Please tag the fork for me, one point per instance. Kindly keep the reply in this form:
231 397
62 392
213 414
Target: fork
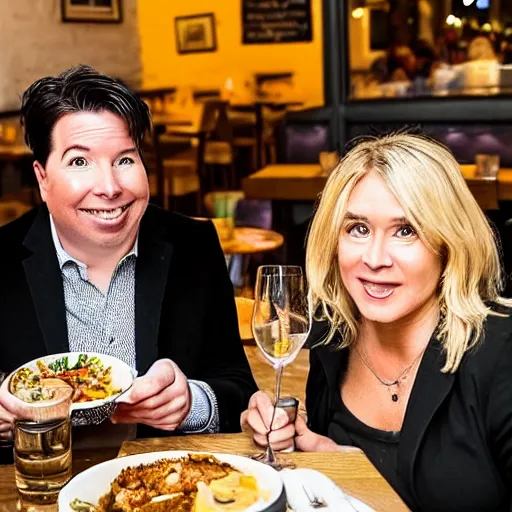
314 501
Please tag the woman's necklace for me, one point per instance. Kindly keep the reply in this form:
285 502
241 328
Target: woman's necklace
389 384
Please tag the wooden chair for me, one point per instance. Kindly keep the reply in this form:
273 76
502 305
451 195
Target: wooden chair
178 163
204 95
245 136
244 308
271 118
157 98
219 151
259 122
180 176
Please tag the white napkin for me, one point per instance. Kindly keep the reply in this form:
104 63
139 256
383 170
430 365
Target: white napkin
321 486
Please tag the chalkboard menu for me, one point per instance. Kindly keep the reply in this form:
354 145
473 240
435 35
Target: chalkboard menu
276 21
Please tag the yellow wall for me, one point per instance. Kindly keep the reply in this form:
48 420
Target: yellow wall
163 66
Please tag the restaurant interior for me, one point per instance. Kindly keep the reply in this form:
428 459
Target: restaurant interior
253 103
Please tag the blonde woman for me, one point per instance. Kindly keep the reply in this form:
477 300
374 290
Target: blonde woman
412 358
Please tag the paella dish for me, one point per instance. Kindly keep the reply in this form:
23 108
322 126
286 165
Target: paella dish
194 483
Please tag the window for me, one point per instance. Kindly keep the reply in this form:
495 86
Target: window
412 48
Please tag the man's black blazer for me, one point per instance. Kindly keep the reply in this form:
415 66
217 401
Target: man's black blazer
184 305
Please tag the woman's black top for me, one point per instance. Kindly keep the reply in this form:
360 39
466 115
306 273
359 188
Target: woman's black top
454 451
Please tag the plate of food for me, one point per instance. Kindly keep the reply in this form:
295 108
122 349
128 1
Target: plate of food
175 480
97 380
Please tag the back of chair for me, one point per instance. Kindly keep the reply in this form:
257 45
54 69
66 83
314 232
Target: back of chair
157 148
203 96
210 115
253 213
215 121
155 151
156 98
224 128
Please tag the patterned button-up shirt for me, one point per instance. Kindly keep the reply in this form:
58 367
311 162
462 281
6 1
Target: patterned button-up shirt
104 322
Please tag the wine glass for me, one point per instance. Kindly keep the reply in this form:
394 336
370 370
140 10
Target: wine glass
281 322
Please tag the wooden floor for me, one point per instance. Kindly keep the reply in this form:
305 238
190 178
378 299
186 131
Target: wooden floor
294 377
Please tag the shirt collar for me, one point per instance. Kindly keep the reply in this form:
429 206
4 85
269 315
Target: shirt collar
64 257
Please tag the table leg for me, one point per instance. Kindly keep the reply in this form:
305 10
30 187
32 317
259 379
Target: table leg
260 146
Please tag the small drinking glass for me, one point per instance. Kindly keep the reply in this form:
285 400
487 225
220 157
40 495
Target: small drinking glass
281 323
487 166
42 448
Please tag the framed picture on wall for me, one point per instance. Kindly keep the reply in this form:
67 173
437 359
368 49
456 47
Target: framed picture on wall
195 33
92 11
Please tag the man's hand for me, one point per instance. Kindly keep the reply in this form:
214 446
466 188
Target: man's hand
160 399
6 424
10 409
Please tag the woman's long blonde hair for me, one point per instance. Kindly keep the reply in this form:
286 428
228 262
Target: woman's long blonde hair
428 183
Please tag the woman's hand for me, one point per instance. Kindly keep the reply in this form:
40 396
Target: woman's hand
307 441
257 419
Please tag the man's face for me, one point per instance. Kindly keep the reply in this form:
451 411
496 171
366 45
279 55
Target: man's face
94 182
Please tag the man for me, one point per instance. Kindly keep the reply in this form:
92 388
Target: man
97 269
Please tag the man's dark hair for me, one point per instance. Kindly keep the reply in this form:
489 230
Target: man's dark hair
79 89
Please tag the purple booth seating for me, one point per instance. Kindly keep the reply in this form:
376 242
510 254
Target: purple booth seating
253 213
464 140
302 143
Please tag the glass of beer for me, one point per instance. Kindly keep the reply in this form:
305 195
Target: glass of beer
42 447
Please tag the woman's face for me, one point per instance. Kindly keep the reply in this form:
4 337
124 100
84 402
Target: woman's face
388 271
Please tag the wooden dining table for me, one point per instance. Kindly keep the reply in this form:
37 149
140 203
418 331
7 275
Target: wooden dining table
304 182
249 240
349 468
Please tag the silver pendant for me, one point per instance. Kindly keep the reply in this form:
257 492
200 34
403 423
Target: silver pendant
394 397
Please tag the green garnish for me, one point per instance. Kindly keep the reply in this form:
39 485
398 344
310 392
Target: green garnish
81 362
62 364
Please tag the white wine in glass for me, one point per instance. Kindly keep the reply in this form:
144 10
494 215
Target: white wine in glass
281 323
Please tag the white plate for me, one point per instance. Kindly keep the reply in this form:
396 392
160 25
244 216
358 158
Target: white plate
122 375
299 481
95 482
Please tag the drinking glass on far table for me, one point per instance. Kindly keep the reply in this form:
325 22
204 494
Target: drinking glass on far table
42 448
281 323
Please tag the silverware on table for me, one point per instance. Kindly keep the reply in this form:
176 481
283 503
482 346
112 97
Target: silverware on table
314 501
